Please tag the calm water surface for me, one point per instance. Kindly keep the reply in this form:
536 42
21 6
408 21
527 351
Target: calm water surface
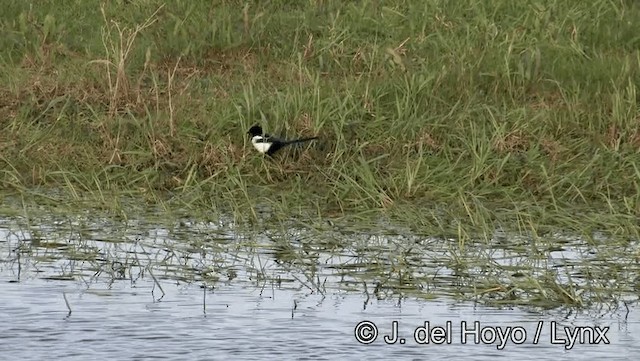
136 292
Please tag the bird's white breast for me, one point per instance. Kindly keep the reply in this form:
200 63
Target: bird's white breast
262 147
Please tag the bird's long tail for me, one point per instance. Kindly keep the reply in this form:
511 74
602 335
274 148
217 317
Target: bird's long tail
301 140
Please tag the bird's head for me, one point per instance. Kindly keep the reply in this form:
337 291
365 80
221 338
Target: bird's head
255 130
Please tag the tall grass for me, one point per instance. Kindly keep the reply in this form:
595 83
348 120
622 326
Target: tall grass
485 111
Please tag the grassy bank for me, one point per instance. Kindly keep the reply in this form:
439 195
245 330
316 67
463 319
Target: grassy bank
475 112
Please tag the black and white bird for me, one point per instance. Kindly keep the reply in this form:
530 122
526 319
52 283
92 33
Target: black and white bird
267 144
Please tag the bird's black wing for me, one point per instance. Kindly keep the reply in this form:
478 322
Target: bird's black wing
268 138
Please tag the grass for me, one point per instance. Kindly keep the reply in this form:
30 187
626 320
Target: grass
310 256
453 118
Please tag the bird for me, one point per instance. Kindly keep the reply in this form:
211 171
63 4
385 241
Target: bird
268 144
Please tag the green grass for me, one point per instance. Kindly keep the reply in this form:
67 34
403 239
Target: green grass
457 116
309 255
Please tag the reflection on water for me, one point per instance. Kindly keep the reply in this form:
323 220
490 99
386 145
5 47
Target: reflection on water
139 290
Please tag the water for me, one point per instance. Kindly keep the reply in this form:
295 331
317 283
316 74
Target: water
139 290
